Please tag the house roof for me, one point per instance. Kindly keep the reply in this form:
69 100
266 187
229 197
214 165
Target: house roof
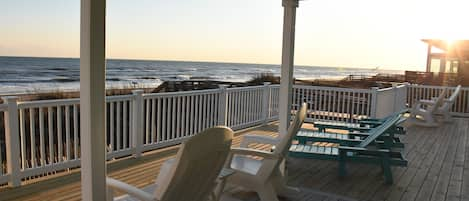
449 46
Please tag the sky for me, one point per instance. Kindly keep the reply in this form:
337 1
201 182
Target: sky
342 33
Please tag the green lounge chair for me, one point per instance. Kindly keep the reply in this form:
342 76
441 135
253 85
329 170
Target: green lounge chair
350 150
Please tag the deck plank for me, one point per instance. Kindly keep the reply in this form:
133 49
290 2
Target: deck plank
438 170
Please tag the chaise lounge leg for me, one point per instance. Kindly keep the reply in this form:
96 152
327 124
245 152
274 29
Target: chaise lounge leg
386 166
342 166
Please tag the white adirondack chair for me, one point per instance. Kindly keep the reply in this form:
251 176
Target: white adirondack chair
266 176
422 113
192 175
445 107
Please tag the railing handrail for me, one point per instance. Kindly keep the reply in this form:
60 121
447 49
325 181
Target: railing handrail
435 87
180 93
339 89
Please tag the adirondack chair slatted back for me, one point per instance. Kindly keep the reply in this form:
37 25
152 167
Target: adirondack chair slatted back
439 101
284 145
379 130
455 94
198 163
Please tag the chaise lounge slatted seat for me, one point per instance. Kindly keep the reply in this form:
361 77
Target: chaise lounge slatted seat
363 125
351 150
346 139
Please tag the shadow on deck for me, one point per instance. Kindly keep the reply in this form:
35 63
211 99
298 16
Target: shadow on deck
438 170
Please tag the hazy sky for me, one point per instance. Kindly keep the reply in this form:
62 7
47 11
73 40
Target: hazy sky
358 33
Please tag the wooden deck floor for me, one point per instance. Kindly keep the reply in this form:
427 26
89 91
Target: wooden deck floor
438 170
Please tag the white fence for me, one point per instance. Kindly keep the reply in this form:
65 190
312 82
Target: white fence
47 133
350 105
460 107
389 100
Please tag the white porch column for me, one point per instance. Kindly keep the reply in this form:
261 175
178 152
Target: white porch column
92 99
288 49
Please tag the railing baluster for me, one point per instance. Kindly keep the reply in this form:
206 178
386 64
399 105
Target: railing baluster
41 136
191 126
124 125
59 134
178 116
23 140
164 132
153 120
50 123
111 127
157 122
67 131
75 131
32 132
173 118
119 128
183 115
147 121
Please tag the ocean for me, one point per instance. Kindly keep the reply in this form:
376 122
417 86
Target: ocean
33 74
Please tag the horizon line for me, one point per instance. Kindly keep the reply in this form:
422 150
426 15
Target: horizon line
225 62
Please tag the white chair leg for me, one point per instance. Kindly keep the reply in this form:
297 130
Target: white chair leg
267 193
447 117
110 194
279 183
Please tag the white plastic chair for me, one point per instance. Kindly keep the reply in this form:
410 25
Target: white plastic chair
422 113
192 175
266 176
447 104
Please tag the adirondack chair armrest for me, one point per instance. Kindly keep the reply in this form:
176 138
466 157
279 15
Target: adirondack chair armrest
448 101
253 152
261 139
427 102
129 189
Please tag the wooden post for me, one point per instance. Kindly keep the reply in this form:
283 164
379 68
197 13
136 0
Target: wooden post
92 99
137 122
374 102
286 79
12 140
222 105
429 57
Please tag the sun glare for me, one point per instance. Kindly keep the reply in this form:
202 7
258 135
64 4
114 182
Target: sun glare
447 21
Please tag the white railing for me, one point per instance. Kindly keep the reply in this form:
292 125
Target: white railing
245 106
48 132
334 104
273 100
389 100
171 117
460 107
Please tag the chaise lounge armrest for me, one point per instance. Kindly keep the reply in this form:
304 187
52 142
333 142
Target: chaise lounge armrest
253 152
364 150
129 189
261 139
